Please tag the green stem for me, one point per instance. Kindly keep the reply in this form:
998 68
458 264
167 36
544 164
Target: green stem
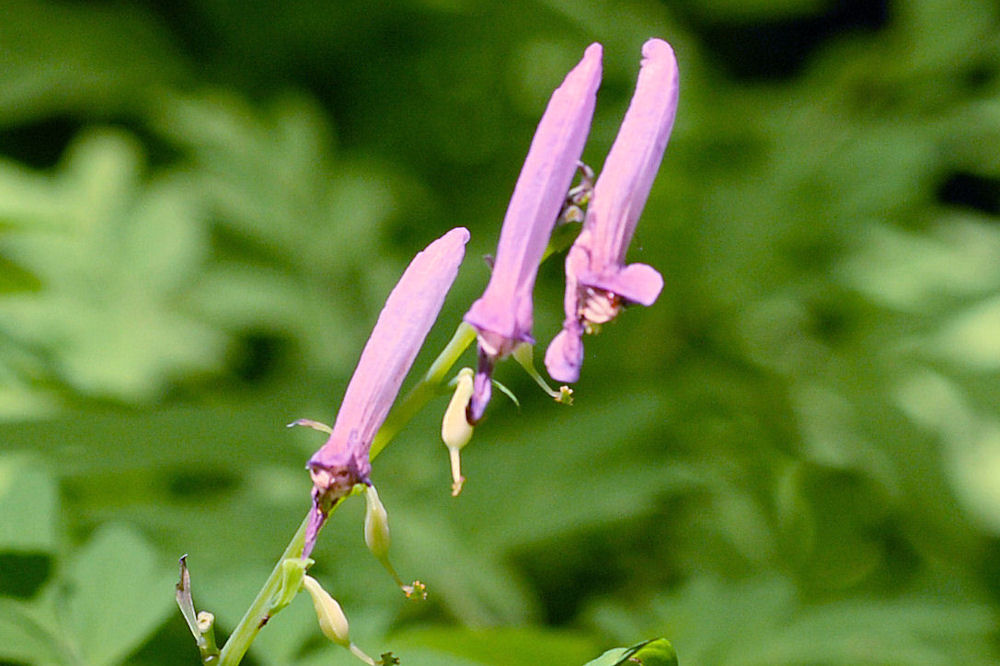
255 617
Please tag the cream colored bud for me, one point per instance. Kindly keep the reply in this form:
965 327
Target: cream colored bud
455 429
376 524
332 621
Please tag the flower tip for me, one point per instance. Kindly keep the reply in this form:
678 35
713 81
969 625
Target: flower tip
593 52
656 48
458 235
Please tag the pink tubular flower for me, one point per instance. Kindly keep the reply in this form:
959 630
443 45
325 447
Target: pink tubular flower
597 280
503 315
404 322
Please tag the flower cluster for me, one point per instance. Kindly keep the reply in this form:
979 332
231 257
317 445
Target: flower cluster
598 284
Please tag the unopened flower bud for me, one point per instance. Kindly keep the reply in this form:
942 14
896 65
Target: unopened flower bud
377 540
332 621
376 524
455 428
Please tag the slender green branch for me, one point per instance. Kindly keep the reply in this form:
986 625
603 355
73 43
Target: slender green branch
258 613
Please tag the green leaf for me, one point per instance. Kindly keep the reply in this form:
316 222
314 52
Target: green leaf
28 504
113 256
118 595
658 652
610 658
23 638
507 646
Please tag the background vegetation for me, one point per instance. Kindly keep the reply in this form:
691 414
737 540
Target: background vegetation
792 458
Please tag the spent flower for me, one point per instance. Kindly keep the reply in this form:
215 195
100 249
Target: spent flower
598 282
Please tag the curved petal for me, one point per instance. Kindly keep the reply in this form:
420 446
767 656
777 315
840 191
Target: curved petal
635 283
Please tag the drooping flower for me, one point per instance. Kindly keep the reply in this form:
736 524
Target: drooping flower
404 322
598 282
502 317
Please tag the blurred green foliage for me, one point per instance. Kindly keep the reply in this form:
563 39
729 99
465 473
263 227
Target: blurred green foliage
792 458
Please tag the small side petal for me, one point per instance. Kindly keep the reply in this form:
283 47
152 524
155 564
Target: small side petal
635 283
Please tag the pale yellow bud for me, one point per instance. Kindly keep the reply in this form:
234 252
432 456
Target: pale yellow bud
455 429
332 621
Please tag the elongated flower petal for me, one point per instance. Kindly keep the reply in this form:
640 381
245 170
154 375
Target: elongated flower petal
597 281
503 315
404 322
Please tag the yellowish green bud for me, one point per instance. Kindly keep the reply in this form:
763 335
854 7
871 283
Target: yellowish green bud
332 621
376 524
377 540
455 429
